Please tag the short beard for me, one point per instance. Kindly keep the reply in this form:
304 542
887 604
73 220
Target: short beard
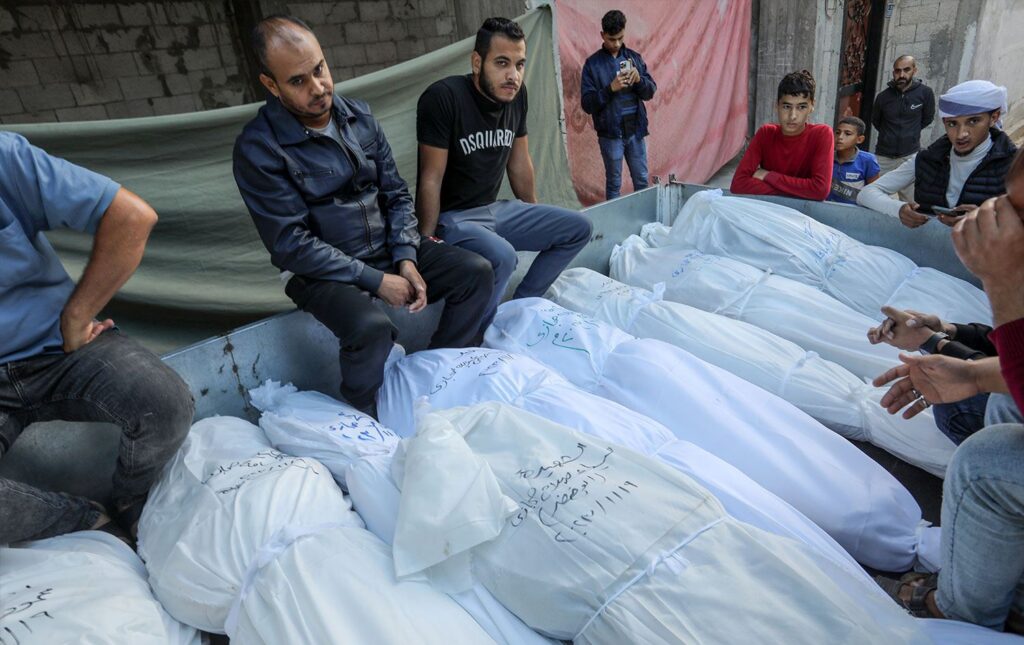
488 88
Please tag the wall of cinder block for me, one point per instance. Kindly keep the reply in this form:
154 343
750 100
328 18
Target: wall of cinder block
80 61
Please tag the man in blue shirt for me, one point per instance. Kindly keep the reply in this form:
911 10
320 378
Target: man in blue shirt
614 86
56 360
318 177
852 168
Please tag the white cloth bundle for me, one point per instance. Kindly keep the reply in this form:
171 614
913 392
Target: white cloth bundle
311 424
788 243
789 309
818 472
604 545
85 587
242 539
358 451
820 388
451 377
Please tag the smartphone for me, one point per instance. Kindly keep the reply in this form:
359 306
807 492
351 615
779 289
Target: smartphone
625 65
940 210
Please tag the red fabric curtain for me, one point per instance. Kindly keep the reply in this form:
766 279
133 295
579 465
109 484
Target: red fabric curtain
698 52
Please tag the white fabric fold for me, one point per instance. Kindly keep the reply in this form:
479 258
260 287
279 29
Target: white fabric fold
820 388
792 245
641 553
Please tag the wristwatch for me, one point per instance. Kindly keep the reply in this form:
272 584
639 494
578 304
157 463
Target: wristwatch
929 346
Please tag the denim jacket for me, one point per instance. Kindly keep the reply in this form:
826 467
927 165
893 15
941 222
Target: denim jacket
323 210
596 95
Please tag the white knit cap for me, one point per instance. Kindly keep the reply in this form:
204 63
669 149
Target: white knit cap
973 97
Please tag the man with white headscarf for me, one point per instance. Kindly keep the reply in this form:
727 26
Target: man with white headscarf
957 172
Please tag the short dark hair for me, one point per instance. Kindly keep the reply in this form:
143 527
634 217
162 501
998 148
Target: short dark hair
797 84
268 28
613 22
855 122
508 28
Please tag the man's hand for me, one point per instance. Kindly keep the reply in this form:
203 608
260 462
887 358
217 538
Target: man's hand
395 290
990 241
407 269
924 380
78 332
760 173
905 329
961 210
632 76
619 82
910 217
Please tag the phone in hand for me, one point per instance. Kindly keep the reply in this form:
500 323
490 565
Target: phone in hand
951 212
625 66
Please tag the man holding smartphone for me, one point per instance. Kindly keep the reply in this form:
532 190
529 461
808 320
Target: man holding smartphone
615 84
957 172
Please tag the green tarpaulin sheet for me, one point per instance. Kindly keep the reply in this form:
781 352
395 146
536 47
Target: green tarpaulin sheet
205 270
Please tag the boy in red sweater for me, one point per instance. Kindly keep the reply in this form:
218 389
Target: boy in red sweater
792 158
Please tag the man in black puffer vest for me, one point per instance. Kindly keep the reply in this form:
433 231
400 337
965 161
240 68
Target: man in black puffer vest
957 172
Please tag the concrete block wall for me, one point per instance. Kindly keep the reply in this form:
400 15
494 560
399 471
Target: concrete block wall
84 61
108 59
937 33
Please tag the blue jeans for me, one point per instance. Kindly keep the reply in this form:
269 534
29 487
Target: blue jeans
113 379
983 528
961 419
496 231
634 149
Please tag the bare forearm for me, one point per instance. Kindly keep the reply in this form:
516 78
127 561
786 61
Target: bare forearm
117 250
988 376
523 182
1007 300
428 206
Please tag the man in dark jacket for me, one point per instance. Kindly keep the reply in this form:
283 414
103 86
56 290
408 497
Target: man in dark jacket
318 177
900 112
957 172
615 84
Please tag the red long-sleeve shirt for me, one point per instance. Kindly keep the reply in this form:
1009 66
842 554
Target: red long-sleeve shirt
799 166
1009 340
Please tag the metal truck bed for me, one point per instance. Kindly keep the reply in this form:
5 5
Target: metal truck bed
294 347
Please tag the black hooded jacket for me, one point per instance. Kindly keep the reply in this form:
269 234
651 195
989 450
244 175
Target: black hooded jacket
899 118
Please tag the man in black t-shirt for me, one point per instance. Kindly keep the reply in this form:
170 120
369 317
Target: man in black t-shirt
472 130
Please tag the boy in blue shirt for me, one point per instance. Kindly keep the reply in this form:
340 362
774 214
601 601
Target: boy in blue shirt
852 168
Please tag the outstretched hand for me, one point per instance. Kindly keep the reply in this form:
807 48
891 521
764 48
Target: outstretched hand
924 380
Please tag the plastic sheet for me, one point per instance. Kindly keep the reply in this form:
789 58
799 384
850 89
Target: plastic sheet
84 587
450 378
818 472
789 309
233 524
820 388
359 450
776 238
640 552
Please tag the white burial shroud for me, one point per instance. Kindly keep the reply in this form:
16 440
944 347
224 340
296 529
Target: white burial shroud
242 539
818 472
789 309
788 243
452 377
84 587
820 388
599 544
358 451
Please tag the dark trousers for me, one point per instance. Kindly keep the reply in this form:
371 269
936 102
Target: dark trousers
365 333
113 379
